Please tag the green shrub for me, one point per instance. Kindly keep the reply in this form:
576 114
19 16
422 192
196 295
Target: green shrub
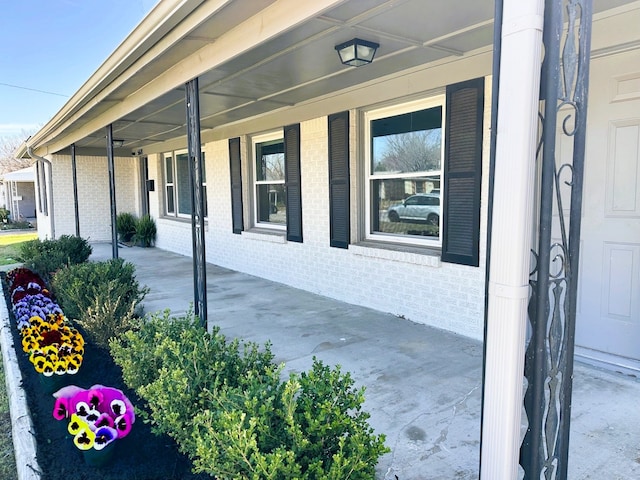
110 315
126 226
4 215
47 256
145 231
228 409
102 296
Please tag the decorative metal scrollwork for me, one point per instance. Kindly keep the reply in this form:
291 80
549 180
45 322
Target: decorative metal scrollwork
197 201
553 280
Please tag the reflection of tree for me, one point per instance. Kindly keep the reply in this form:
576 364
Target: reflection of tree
273 166
411 152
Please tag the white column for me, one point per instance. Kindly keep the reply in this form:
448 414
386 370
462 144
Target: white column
513 201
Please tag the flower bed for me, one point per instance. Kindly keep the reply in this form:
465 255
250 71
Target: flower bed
139 454
53 344
225 402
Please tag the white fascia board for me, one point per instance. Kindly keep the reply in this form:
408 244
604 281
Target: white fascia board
277 18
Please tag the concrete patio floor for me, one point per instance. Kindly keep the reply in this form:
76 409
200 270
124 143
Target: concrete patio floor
423 385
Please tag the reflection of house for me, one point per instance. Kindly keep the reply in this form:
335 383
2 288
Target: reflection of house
19 195
401 189
268 71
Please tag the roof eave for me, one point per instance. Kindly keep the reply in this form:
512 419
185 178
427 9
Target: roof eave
161 19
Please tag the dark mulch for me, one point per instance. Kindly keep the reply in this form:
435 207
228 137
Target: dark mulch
139 456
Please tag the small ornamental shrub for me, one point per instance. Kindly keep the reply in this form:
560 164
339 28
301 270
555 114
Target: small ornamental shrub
228 409
110 315
145 235
102 296
126 226
45 257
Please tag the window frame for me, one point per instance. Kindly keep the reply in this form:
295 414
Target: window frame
433 101
175 185
255 140
169 184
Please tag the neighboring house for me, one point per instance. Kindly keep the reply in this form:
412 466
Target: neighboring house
19 195
297 151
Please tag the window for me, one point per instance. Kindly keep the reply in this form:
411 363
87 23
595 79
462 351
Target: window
276 182
405 151
177 184
42 188
270 200
169 186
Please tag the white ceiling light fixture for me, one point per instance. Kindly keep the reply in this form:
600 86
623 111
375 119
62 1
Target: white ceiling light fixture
357 52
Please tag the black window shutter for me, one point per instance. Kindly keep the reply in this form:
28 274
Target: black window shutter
292 181
339 230
462 172
236 184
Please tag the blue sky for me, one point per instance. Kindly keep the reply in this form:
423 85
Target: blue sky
54 46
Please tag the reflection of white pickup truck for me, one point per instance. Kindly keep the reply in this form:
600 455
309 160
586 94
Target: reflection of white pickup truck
422 207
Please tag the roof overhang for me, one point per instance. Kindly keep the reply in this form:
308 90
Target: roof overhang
23 175
252 59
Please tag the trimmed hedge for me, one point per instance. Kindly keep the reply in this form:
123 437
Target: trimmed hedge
103 297
225 404
45 257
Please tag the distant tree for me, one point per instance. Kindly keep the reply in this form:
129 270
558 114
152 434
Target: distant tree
411 152
8 145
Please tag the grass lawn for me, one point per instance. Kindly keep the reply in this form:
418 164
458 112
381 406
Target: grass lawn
7 461
10 246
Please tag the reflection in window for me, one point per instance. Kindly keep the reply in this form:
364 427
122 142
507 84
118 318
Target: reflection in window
405 171
270 197
184 192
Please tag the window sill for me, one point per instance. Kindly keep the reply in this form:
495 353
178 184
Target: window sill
429 257
264 235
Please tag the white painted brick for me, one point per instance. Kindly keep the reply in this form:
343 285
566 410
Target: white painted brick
94 209
419 287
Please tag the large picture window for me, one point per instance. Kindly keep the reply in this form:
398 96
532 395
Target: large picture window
405 151
177 188
270 200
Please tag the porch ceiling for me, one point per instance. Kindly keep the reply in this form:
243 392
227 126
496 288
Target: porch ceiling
294 65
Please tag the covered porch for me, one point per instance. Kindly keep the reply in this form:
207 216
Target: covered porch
423 385
201 86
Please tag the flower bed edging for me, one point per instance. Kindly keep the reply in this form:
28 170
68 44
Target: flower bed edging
24 444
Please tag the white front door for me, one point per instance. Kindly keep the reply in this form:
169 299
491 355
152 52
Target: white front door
608 317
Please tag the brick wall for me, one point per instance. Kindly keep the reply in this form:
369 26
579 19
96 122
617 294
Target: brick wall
413 285
94 208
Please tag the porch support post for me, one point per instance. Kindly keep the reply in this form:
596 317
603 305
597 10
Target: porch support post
554 280
112 192
74 177
511 237
197 201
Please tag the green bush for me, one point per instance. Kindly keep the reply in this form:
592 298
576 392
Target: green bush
102 296
4 215
47 256
145 231
126 226
109 315
227 408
